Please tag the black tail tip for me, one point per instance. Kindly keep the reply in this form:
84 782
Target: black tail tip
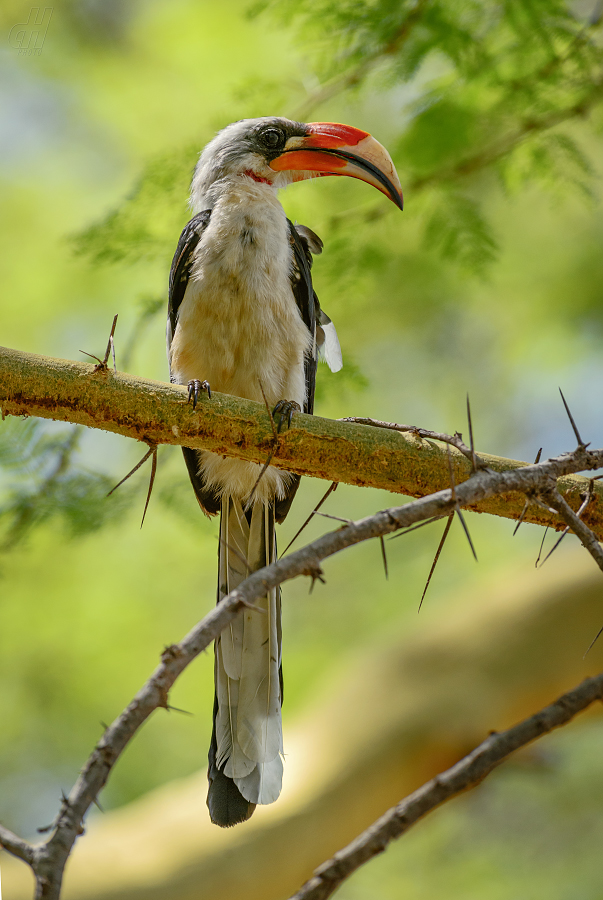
226 804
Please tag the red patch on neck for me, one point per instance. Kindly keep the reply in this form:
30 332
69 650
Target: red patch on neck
256 177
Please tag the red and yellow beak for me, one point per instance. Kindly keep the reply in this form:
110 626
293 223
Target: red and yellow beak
332 149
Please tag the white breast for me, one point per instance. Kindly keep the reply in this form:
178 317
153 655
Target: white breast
238 325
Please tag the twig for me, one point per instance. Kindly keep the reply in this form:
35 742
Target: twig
101 365
16 845
587 537
455 440
566 531
467 773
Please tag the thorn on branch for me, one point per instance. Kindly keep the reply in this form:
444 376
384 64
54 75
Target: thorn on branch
457 506
151 452
151 482
522 516
466 530
132 471
384 556
416 527
269 411
335 518
593 642
436 558
274 445
329 491
581 444
316 574
541 546
185 712
471 444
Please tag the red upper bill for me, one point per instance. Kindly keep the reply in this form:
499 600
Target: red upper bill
333 149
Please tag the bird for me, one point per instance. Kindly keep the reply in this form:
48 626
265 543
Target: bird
244 319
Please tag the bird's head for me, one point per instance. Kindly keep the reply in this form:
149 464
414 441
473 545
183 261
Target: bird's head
277 152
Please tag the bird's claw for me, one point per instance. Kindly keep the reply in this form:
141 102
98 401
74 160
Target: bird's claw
284 410
195 387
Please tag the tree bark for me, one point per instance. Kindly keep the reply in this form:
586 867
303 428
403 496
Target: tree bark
158 413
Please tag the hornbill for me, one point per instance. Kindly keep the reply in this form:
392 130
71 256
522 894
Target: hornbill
243 318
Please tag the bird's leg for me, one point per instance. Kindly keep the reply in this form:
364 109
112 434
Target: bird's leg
284 410
194 389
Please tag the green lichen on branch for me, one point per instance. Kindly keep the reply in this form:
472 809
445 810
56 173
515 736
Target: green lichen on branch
158 413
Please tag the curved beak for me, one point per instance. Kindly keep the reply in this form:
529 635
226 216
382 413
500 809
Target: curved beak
332 149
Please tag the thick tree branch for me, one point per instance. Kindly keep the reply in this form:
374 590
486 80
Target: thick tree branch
157 413
466 774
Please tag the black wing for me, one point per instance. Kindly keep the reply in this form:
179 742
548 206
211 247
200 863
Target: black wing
304 243
179 277
181 267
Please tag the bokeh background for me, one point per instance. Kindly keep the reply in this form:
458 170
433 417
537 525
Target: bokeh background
490 283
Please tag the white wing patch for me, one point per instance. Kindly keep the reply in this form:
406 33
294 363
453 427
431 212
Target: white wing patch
328 348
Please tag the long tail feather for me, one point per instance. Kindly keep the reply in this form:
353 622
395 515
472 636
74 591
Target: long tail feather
245 757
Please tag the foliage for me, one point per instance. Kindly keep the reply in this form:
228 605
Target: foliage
43 483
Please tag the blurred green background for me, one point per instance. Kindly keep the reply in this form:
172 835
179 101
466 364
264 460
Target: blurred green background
490 283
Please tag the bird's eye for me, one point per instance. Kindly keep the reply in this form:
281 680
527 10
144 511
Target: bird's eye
272 138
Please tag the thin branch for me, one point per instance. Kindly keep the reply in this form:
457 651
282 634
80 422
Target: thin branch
50 857
16 845
454 440
466 774
587 537
567 529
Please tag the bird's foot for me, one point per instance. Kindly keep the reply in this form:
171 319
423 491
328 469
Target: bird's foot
283 411
194 390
